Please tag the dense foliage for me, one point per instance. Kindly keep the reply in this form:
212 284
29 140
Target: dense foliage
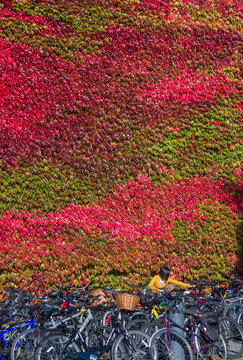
120 139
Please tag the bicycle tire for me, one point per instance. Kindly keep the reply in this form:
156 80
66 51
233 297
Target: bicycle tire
50 347
24 345
210 350
235 311
140 315
153 327
164 345
93 326
133 345
99 337
9 338
233 335
136 324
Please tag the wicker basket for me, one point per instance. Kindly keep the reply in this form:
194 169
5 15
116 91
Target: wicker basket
126 301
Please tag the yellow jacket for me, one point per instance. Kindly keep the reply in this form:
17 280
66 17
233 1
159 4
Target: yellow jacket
155 286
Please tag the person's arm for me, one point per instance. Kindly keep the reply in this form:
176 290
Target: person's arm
153 285
179 283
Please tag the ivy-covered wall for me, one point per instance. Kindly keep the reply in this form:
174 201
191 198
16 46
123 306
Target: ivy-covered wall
120 140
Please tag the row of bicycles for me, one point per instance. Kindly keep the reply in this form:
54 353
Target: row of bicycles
88 324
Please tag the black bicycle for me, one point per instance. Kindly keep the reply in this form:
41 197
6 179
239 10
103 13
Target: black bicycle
116 340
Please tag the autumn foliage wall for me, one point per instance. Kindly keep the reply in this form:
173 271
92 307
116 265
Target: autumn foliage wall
120 140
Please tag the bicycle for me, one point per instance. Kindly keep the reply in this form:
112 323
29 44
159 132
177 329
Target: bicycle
120 342
178 341
25 343
167 343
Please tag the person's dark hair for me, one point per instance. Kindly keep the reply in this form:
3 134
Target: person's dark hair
164 272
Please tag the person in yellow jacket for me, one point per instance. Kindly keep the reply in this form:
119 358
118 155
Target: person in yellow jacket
162 279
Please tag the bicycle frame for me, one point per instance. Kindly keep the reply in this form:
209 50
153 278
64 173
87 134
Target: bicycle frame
169 322
28 323
92 352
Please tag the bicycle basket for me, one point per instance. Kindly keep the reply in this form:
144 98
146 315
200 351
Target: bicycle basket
126 301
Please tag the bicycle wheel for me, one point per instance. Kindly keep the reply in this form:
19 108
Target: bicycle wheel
8 337
152 327
164 345
138 314
136 324
210 350
24 345
99 337
235 311
133 345
51 347
233 335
